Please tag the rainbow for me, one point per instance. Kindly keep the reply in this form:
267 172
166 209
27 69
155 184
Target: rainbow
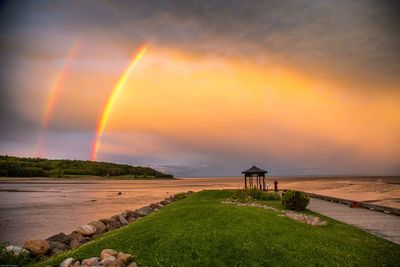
54 94
103 118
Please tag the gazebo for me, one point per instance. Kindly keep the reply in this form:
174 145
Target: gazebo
254 172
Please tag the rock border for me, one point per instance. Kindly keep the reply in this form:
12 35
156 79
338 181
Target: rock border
294 215
39 249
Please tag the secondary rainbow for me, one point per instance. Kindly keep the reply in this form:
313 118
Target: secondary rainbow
104 115
54 94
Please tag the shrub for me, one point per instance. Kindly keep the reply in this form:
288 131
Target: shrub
247 195
12 258
241 196
289 200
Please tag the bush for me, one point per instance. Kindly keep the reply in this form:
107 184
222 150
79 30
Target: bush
247 195
289 200
12 258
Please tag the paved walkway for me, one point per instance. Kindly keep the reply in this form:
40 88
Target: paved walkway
378 223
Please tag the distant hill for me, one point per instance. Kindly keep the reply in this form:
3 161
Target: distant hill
39 167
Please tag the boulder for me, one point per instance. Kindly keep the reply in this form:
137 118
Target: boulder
124 258
155 206
75 235
110 260
99 225
122 220
144 211
68 262
94 261
37 247
132 264
16 250
129 215
57 245
74 243
105 253
165 202
61 237
55 251
111 224
86 230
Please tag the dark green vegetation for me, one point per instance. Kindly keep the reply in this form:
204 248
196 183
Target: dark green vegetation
201 231
10 258
291 202
38 167
247 195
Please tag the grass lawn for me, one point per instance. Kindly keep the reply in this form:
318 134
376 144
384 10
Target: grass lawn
200 231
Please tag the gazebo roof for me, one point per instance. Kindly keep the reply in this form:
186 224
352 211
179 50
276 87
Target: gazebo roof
254 169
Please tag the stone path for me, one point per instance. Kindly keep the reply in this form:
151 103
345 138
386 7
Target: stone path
378 223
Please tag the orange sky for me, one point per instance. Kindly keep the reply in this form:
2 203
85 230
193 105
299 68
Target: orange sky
210 109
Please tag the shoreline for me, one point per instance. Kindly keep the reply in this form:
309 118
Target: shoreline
36 208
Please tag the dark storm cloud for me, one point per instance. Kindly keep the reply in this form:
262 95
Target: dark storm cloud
350 39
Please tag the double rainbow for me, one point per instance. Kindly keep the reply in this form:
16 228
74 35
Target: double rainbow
54 94
104 115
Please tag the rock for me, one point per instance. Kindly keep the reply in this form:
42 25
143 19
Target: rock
68 262
37 247
61 237
105 253
55 251
75 235
86 230
165 202
144 211
122 220
94 261
155 206
76 264
99 225
110 260
111 224
17 250
124 258
129 215
58 246
132 264
74 243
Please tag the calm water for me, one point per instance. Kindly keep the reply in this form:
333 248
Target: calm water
41 208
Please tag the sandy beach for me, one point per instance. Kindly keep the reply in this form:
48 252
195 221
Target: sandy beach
39 208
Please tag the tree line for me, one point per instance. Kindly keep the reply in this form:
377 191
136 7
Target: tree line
40 167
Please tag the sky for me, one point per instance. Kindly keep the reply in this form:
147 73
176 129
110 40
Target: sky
204 88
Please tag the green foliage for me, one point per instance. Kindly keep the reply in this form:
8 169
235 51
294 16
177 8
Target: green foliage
11 258
247 195
289 200
38 167
201 231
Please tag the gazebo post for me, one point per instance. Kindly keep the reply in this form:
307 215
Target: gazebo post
254 173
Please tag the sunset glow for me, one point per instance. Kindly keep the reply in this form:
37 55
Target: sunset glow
104 115
298 88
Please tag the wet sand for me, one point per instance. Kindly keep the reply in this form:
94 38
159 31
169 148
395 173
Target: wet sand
39 208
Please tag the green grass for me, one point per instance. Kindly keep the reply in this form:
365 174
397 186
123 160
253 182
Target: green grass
200 231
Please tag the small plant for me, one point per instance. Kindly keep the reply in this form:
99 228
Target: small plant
295 200
247 195
10 257
241 196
